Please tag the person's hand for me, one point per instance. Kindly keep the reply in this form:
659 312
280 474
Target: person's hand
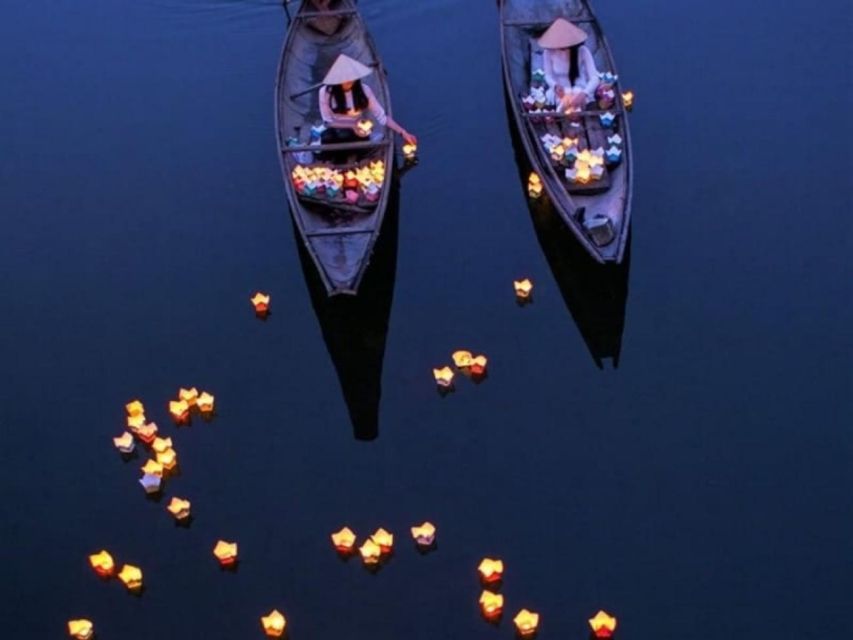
409 138
559 92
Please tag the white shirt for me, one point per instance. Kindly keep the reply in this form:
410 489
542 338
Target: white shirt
352 116
557 63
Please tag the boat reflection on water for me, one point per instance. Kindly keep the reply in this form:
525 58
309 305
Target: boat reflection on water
355 328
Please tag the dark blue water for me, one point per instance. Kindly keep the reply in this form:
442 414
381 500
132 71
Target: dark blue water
701 490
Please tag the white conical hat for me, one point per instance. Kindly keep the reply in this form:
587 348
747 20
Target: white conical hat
562 34
345 69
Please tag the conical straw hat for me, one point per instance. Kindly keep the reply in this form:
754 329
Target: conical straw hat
345 69
562 34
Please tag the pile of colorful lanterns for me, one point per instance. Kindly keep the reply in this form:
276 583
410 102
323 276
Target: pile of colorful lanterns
582 166
226 553
359 185
603 625
613 155
81 629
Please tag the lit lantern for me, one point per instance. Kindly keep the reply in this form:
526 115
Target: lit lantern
179 508
188 395
410 151
603 625
274 624
370 552
364 128
226 553
384 539
102 563
523 288
205 403
534 185
344 541
424 535
478 365
134 408
261 302
570 143
152 468
180 411
168 459
526 622
607 119
491 605
443 377
125 443
159 445
131 577
628 100
558 152
151 483
147 433
135 422
463 359
491 571
81 629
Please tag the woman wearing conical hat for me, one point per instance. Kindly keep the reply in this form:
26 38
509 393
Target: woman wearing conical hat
570 71
344 100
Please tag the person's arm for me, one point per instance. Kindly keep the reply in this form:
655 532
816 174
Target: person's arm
548 65
591 72
384 119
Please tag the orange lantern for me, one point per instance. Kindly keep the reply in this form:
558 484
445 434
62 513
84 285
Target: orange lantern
478 365
168 459
180 411
628 100
384 539
179 508
131 577
491 605
102 563
274 623
462 359
226 553
152 468
134 408
491 571
151 483
443 377
344 541
135 422
526 623
188 395
81 629
603 625
370 552
205 403
261 302
125 443
410 151
534 186
147 432
424 534
523 289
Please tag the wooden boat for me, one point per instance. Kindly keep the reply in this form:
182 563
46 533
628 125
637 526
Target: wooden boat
339 235
522 22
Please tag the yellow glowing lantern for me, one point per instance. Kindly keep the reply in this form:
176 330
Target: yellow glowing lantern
180 411
344 540
135 422
124 443
491 571
147 432
523 288
179 508
168 459
370 552
102 563
463 359
188 395
131 576
478 365
628 100
526 622
159 445
492 605
134 408
443 377
225 552
261 302
274 623
410 151
385 540
205 402
534 185
152 468
603 624
81 629
424 534
364 128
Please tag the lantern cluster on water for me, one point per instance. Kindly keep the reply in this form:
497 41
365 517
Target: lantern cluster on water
534 186
274 624
526 623
102 563
261 303
603 625
344 541
81 629
362 184
179 508
467 362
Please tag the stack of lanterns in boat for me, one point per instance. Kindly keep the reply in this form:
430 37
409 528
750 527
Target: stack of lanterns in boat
582 167
536 101
361 183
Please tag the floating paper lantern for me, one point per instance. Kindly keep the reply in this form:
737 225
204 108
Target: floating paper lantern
205 403
261 302
607 119
226 553
151 483
424 535
410 151
135 422
273 624
180 411
102 563
125 443
134 408
364 128
491 571
463 359
159 445
344 541
526 623
384 539
478 365
628 100
179 508
370 552
523 288
443 377
147 433
168 459
534 185
603 625
491 605
153 468
131 577
81 629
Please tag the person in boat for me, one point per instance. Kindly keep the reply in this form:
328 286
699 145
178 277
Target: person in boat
345 101
570 71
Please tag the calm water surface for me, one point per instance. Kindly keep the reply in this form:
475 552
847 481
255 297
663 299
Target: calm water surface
700 490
